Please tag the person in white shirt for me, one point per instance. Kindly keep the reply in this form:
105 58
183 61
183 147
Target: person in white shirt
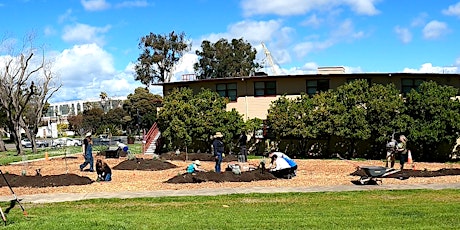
280 167
292 163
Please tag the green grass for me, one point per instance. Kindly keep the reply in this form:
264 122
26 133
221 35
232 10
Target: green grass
411 209
10 155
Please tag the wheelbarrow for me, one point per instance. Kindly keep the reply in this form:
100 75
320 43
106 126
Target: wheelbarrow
374 174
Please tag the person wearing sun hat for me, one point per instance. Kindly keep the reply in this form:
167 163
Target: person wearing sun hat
218 147
194 167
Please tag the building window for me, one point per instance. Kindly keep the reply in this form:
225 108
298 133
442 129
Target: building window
227 90
316 86
264 88
407 84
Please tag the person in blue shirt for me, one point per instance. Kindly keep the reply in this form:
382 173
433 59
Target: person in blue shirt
194 167
292 164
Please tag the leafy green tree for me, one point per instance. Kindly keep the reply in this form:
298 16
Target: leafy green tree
436 120
386 115
92 120
175 119
115 118
349 114
141 106
188 119
294 119
76 124
223 59
160 53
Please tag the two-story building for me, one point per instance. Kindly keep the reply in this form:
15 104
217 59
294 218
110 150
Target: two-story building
251 95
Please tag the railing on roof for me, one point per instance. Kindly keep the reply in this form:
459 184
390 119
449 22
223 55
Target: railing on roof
188 77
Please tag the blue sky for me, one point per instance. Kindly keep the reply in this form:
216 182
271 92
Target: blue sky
94 43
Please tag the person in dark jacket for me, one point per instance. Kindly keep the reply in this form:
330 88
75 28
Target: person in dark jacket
104 173
88 153
218 147
243 156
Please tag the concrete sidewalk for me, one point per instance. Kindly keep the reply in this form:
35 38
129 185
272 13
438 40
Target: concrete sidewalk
63 197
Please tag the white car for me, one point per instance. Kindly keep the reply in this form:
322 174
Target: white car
65 141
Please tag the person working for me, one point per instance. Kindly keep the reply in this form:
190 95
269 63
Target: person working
292 163
104 173
243 156
401 147
194 167
218 147
280 168
88 153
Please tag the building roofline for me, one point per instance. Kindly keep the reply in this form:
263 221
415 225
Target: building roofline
301 76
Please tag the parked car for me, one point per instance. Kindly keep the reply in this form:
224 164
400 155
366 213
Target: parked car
104 138
65 141
26 143
41 143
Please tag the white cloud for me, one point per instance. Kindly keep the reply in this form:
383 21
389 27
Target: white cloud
67 16
49 31
453 10
420 20
95 5
86 70
345 32
312 21
299 7
99 5
130 4
435 29
403 34
82 33
429 68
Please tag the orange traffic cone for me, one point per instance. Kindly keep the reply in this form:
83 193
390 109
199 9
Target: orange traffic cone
409 157
46 156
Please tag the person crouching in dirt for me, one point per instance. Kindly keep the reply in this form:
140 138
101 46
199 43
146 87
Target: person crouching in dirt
218 146
194 167
291 162
401 147
280 168
104 173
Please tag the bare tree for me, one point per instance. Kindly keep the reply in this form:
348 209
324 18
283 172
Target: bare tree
26 84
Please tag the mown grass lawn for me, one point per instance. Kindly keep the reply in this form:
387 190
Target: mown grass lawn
412 209
11 157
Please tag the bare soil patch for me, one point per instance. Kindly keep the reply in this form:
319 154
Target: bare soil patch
62 175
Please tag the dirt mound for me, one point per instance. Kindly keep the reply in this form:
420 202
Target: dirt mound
45 181
415 173
144 164
226 176
194 156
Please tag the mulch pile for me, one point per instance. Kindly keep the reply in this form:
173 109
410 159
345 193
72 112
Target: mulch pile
38 181
45 181
415 173
226 176
144 164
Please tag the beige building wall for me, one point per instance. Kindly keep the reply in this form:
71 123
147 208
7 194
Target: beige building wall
253 107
